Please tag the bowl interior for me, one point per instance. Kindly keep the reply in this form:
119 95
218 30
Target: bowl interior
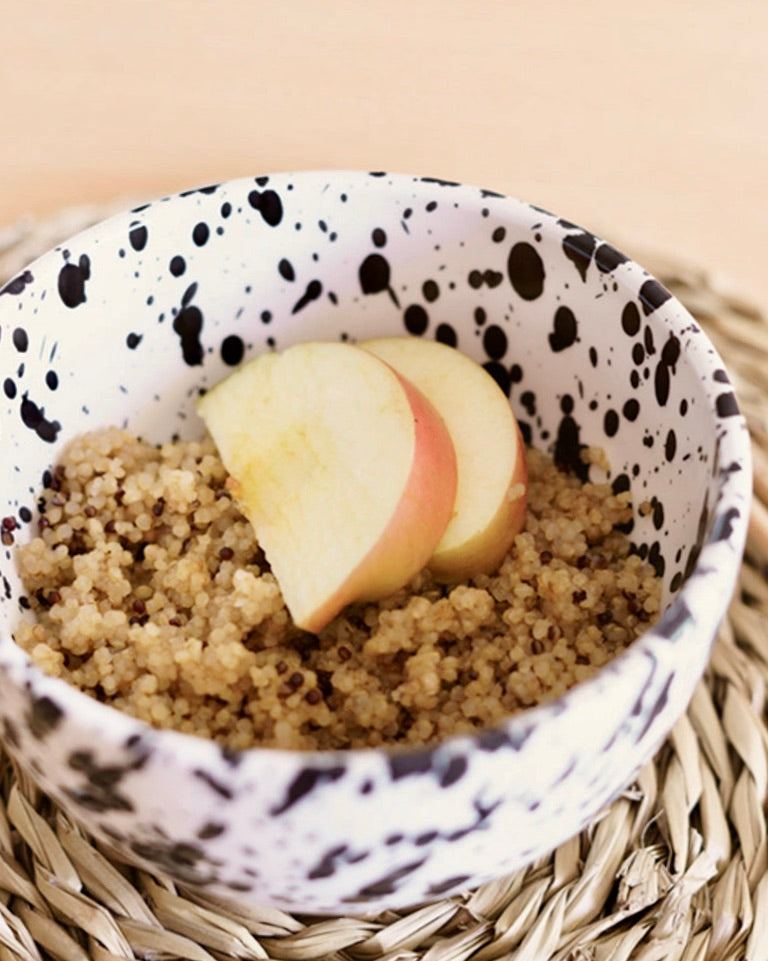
129 321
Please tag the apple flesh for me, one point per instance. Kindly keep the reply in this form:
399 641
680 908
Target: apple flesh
490 454
345 470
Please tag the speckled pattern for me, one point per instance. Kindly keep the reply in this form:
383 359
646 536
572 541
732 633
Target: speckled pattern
128 321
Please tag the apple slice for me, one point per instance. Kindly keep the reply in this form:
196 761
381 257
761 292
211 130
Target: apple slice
492 484
345 470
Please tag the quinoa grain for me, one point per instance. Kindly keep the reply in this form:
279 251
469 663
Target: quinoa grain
150 593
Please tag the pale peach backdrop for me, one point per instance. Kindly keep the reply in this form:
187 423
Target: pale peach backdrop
647 122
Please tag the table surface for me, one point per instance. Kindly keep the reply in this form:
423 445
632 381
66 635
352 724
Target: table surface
647 123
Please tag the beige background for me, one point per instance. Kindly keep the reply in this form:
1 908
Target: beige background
647 121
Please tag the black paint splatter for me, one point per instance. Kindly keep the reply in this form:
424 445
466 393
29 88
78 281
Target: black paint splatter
631 409
630 319
607 258
526 271
387 884
72 280
674 620
327 865
17 285
313 291
578 248
200 234
44 716
209 189
210 830
722 529
726 405
416 319
653 295
215 785
437 180
286 271
375 276
188 324
232 350
456 769
442 887
304 783
502 377
610 423
492 740
100 789
568 446
495 342
445 334
670 354
407 765
491 278
565 330
620 484
650 347
269 205
34 418
670 445
138 237
528 402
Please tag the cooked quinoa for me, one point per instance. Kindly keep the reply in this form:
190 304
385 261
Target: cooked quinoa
150 593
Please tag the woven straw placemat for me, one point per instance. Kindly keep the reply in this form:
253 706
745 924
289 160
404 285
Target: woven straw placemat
676 868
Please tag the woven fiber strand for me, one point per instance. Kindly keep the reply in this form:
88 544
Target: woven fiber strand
676 868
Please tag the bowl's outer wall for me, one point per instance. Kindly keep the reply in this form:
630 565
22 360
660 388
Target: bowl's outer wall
127 322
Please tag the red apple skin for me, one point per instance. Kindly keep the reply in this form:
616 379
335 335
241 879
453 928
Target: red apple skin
414 530
271 471
491 500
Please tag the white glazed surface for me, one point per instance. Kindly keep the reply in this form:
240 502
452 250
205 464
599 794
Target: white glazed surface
126 322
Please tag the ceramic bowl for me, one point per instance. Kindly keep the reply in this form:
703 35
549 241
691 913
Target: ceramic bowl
127 321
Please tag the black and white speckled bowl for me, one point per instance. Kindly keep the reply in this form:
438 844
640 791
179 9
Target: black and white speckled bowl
123 325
